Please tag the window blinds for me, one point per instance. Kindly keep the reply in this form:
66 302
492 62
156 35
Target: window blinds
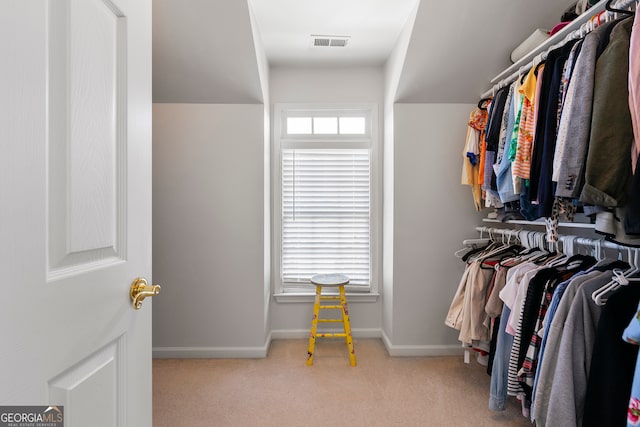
326 214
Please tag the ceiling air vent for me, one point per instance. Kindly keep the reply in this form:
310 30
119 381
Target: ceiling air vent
329 41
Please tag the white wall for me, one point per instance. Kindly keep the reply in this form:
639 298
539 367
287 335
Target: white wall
330 85
205 53
392 73
263 71
326 85
433 213
209 222
208 230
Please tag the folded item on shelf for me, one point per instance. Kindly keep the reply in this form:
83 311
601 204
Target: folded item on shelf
573 11
533 41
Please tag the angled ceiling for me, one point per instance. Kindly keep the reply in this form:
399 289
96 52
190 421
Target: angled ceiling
204 52
457 48
286 27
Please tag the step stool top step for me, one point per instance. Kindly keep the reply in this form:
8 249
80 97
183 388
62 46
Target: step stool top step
333 279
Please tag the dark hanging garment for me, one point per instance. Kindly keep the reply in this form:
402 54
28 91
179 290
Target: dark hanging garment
543 115
632 217
613 362
492 138
495 119
546 187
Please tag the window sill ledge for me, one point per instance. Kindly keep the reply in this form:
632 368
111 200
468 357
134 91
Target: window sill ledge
298 297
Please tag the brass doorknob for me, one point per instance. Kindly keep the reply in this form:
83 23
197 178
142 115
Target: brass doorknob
140 289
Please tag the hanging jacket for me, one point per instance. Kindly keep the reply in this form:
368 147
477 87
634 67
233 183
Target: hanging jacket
578 119
608 170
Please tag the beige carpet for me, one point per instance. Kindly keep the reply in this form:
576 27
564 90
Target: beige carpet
281 390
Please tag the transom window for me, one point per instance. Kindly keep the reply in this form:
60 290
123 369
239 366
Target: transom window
326 126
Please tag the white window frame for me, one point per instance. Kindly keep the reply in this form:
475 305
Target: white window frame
370 140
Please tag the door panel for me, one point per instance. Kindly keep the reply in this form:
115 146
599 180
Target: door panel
93 385
75 208
87 142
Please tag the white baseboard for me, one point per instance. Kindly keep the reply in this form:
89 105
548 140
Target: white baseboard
262 351
420 350
213 352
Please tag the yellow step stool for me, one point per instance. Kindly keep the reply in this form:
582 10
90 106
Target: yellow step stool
330 280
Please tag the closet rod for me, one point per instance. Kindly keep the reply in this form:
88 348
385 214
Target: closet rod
583 241
576 29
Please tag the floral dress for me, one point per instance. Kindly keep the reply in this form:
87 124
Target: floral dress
632 335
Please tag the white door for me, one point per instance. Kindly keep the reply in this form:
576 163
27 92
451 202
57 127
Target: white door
75 208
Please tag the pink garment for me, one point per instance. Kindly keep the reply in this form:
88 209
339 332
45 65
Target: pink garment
634 87
558 27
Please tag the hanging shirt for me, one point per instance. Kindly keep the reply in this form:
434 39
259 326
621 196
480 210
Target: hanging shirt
503 128
517 113
471 154
516 180
509 294
521 166
483 154
502 170
494 127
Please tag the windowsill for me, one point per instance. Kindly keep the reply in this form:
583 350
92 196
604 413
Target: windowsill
297 297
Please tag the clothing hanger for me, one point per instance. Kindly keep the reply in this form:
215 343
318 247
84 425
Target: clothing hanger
476 247
561 257
619 279
568 248
484 102
474 243
599 254
540 253
516 247
471 244
497 251
523 238
634 265
522 235
622 278
610 8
